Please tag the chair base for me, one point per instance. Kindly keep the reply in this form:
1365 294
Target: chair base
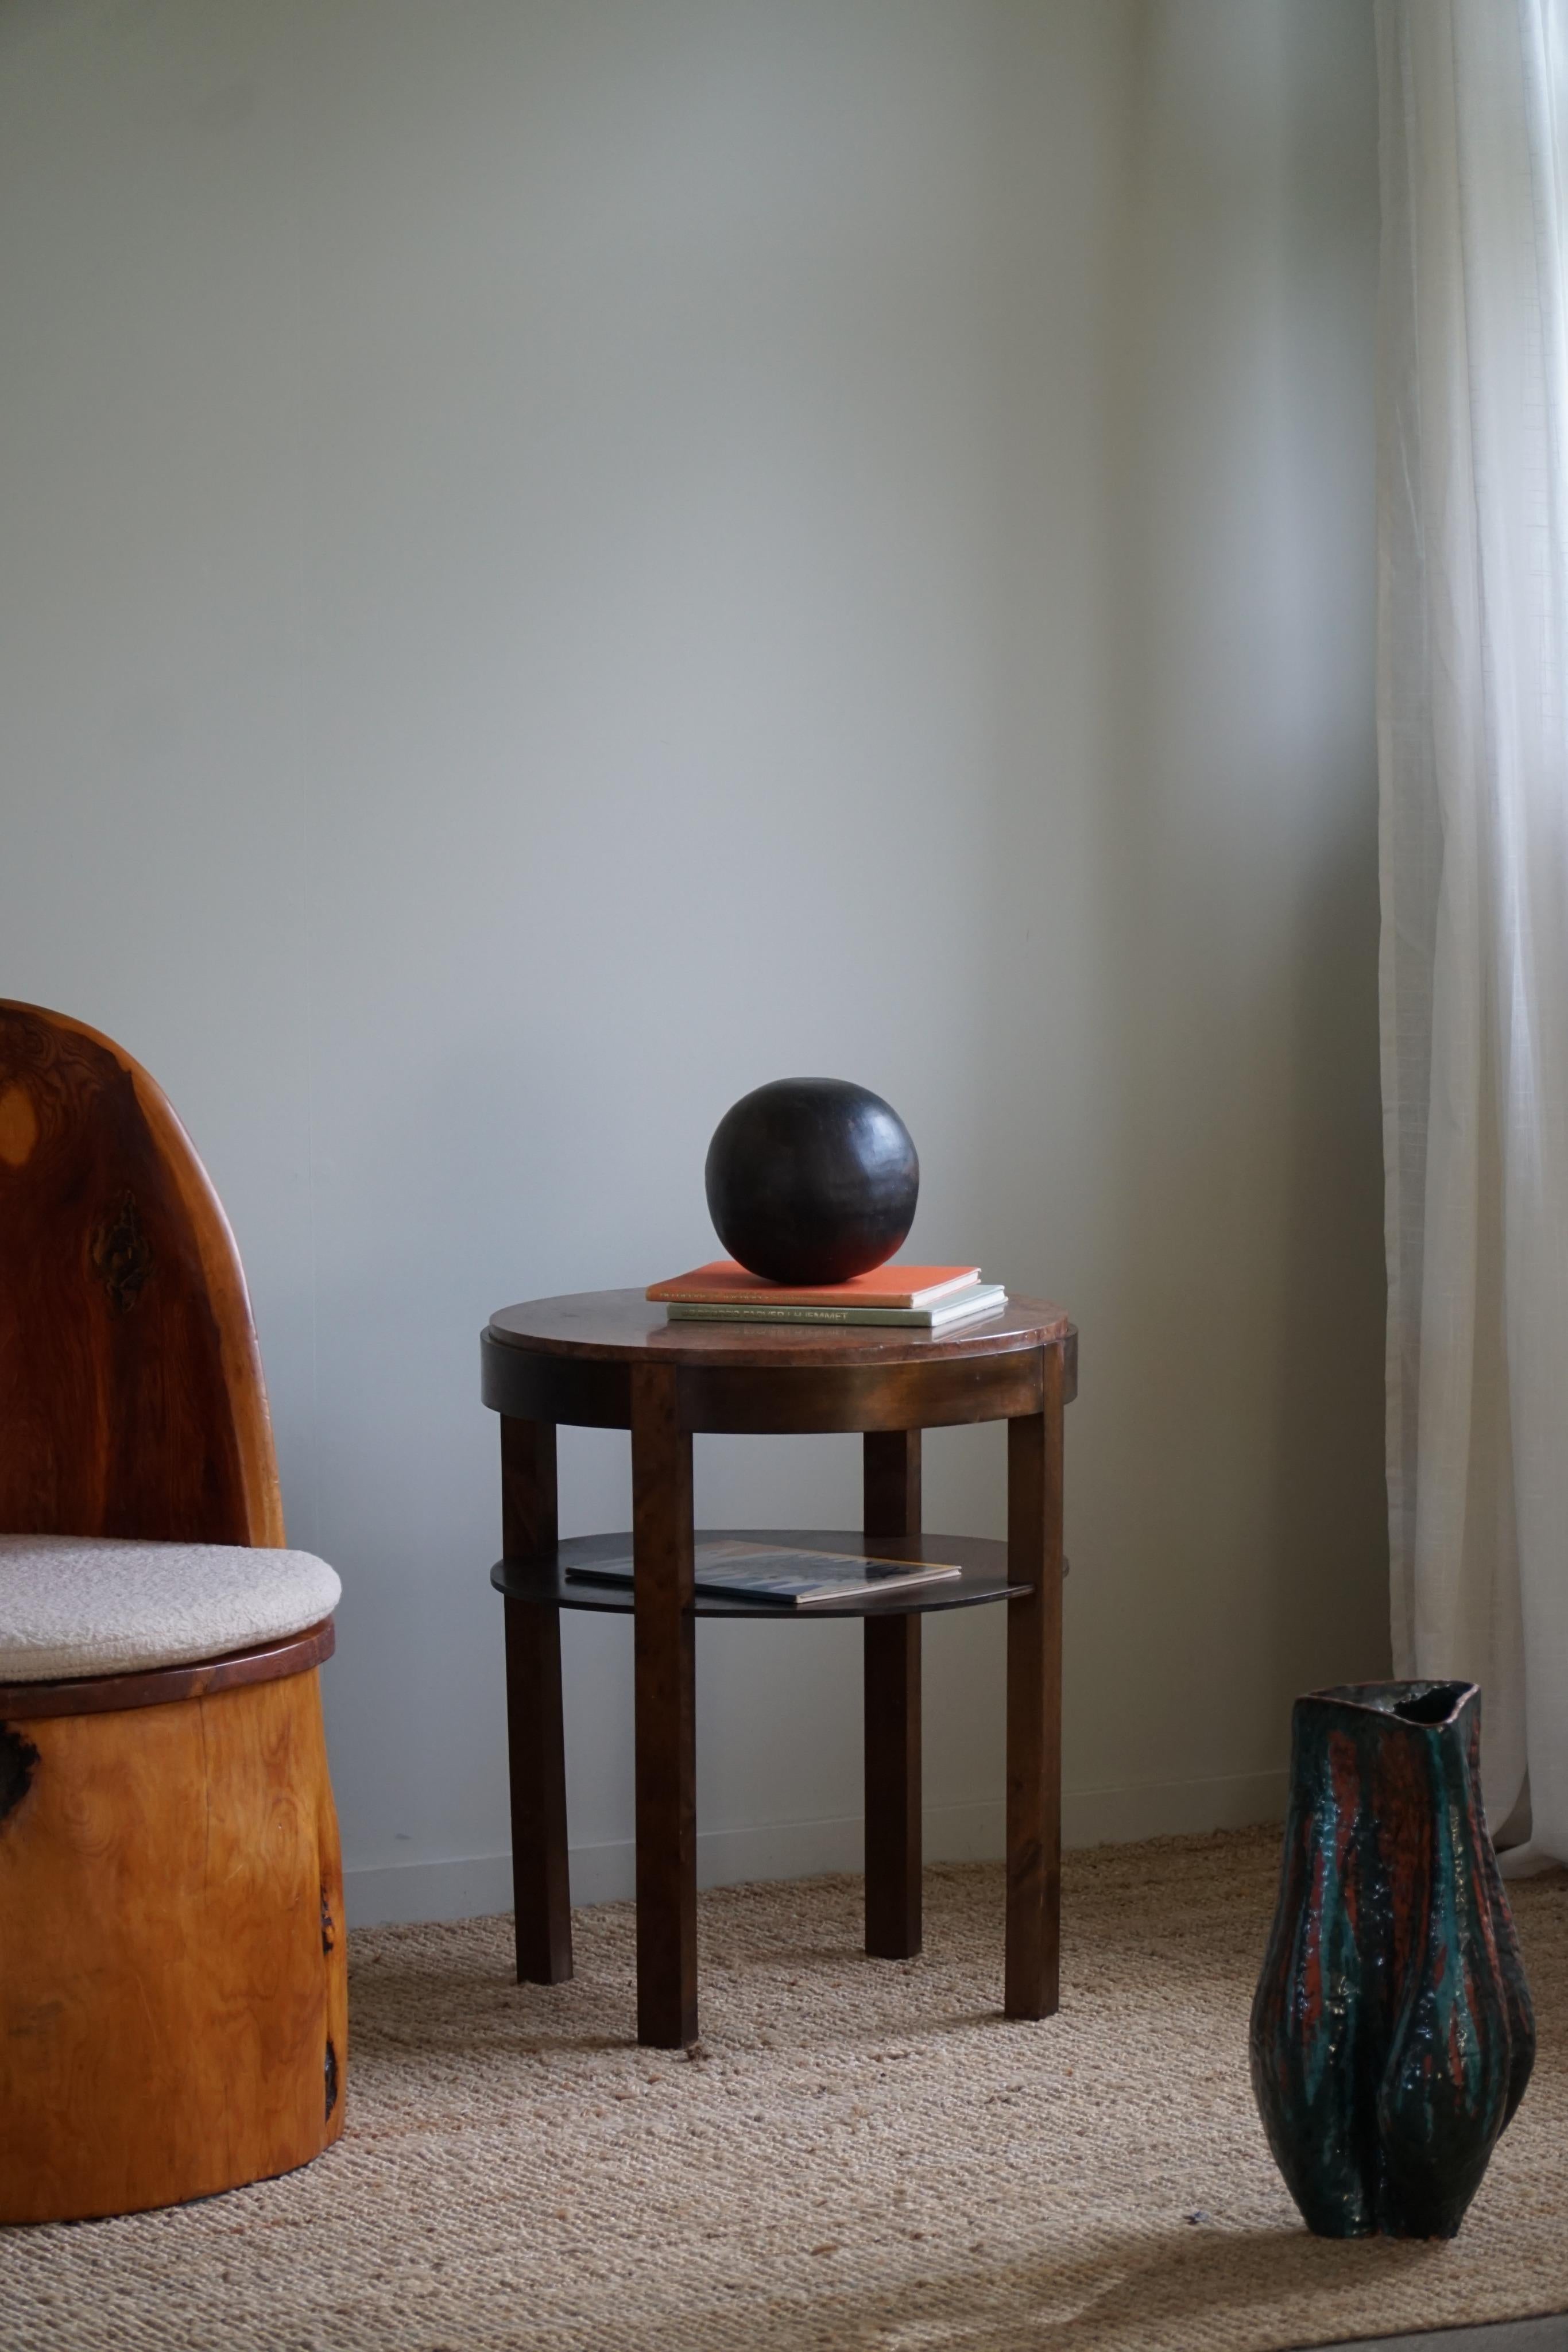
173 1993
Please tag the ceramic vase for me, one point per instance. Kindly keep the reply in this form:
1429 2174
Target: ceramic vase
1392 2031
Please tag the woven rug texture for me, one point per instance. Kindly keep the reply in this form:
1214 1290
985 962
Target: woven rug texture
860 2154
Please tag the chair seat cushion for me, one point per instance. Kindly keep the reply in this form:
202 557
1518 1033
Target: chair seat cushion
75 1605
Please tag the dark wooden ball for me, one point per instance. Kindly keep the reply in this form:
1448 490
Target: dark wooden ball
811 1180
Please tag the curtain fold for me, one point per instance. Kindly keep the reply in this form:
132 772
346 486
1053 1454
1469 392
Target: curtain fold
1473 766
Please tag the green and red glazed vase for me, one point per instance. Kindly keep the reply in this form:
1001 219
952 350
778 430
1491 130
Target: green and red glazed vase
1392 2030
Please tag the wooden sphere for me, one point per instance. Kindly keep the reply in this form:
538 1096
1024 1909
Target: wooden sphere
811 1180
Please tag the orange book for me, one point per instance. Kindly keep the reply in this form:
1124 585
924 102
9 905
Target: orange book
726 1284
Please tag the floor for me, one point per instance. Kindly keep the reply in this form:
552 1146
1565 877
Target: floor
860 2156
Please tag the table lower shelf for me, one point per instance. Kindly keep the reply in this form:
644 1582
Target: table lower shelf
982 1559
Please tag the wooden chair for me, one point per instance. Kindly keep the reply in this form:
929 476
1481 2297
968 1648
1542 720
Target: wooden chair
172 1988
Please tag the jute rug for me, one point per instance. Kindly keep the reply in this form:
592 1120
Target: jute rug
860 2155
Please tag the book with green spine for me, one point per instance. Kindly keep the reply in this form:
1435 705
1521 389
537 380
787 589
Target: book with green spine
965 1305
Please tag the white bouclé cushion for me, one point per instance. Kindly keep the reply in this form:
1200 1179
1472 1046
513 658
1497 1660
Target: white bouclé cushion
73 1605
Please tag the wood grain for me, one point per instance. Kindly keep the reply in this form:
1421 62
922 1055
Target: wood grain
154 2047
665 1668
173 1989
570 1360
937 1395
880 1391
571 1390
606 1323
892 1684
270 1662
534 1731
132 1398
1034 1707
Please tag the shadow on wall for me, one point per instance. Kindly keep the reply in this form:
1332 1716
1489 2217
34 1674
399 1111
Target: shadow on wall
1226 1456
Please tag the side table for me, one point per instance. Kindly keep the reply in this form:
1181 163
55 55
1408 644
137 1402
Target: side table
607 1360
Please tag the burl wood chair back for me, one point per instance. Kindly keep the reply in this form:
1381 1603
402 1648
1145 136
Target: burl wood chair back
173 1981
131 1399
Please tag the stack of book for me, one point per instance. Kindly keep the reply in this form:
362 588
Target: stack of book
927 1298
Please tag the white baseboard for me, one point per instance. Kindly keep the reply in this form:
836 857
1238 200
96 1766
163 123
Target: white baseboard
475 1886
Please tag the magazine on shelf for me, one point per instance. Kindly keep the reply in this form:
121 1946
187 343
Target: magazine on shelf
791 1572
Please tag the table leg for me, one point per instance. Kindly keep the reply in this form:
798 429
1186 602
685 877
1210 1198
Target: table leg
1034 1705
665 1652
892 1507
535 1742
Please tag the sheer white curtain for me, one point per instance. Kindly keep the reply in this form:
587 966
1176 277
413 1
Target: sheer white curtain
1473 757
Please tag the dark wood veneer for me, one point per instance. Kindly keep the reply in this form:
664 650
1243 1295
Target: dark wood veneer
609 1359
542 1899
891 1480
664 1652
595 1324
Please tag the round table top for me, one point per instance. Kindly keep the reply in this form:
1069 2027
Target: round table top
622 1325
